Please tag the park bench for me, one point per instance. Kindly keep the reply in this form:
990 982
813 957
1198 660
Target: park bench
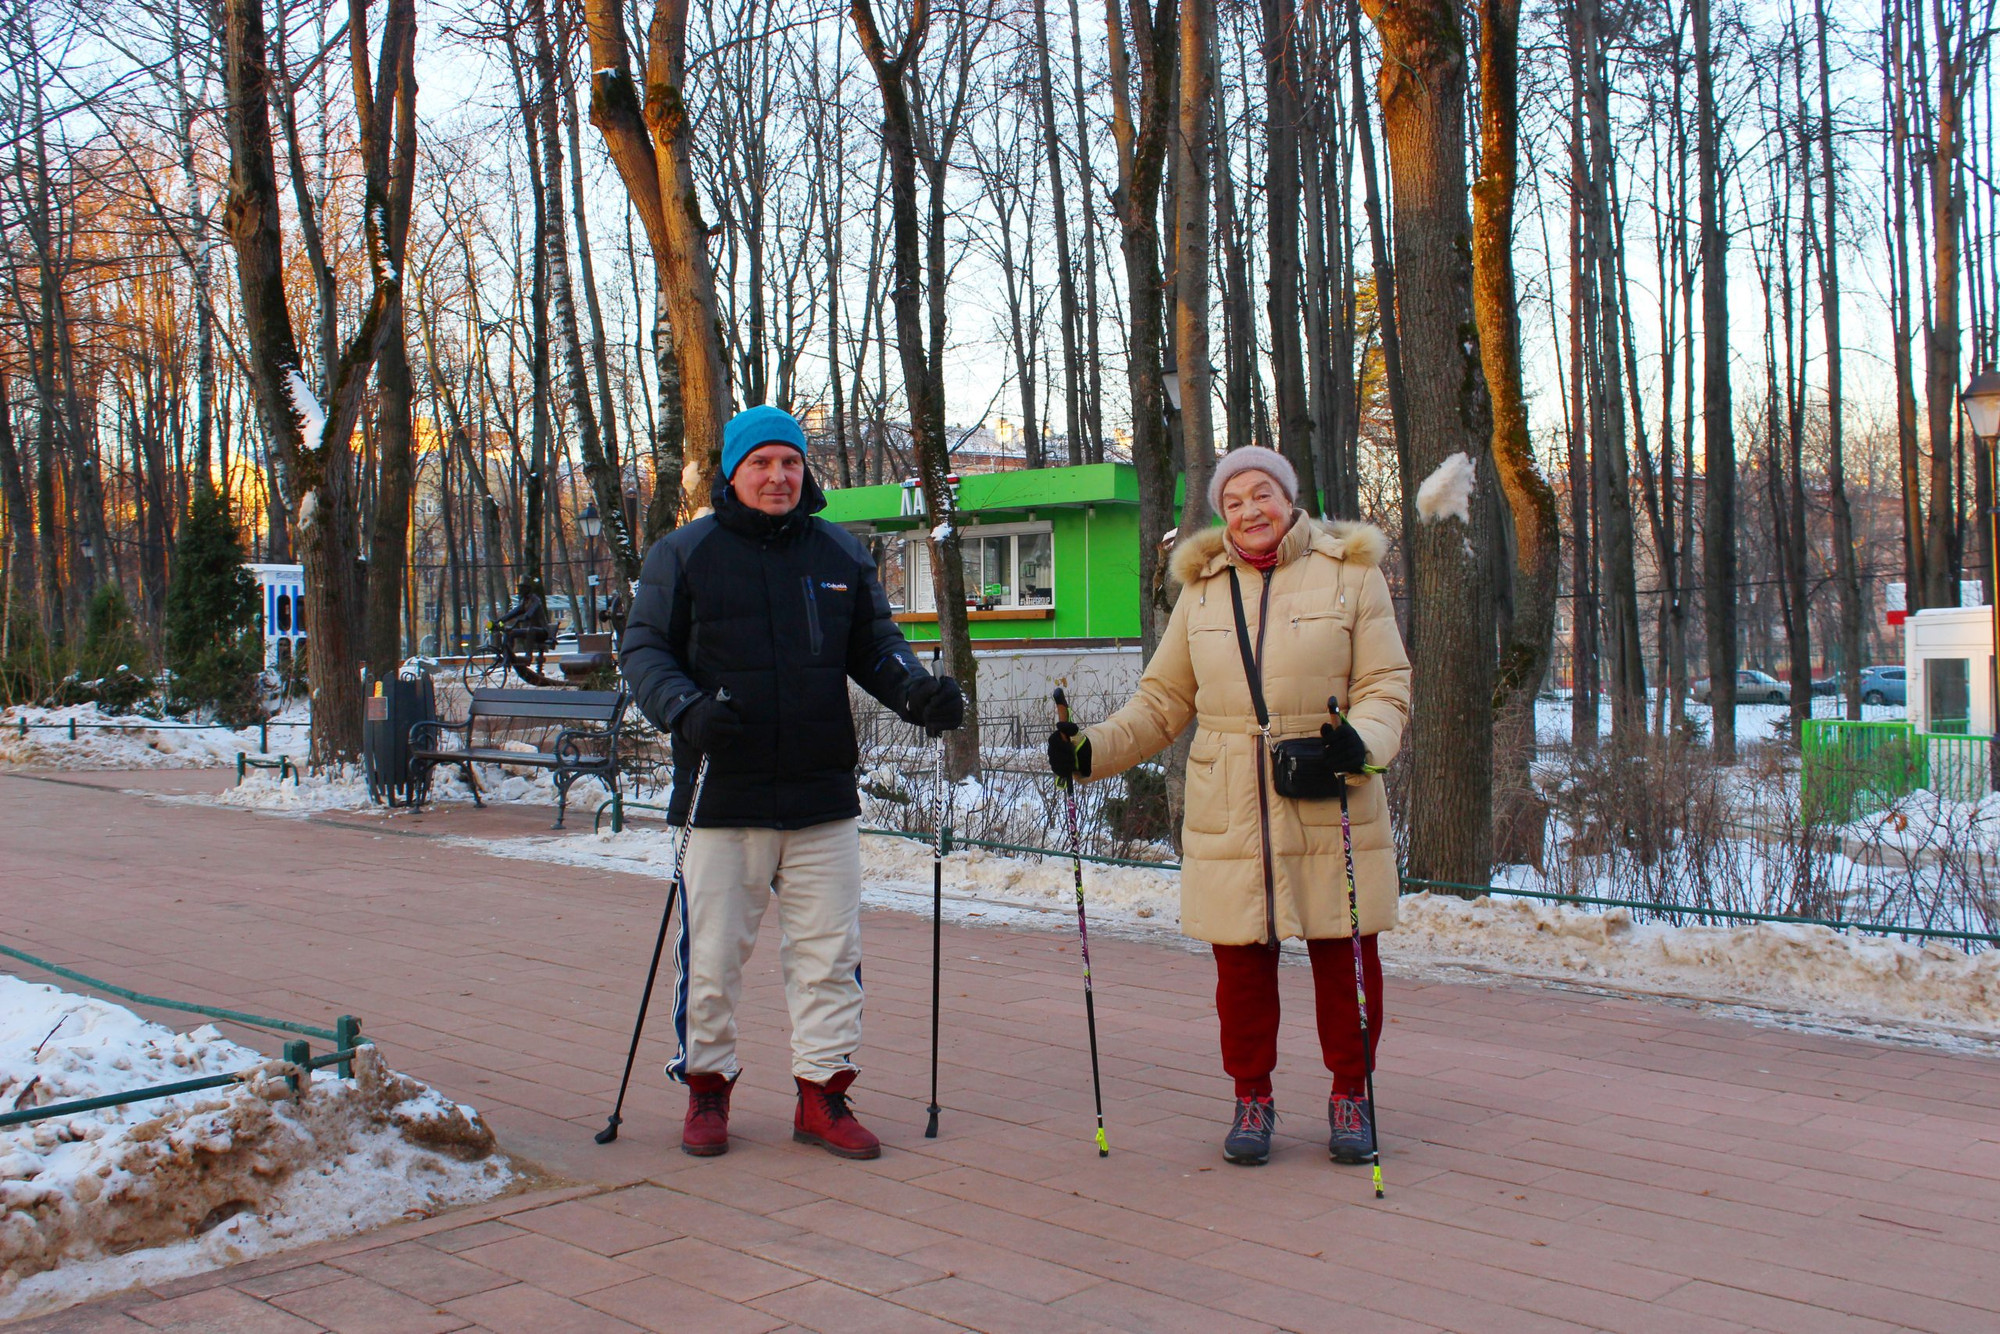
571 733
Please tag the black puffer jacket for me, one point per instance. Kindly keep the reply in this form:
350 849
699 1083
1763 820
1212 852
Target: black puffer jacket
780 612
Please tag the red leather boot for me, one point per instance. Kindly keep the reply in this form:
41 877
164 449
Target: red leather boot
825 1119
706 1131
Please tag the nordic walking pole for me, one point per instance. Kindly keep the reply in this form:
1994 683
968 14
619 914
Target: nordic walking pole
1068 786
1360 984
937 920
674 887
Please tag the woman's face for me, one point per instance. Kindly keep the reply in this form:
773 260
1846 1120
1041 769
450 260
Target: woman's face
1255 511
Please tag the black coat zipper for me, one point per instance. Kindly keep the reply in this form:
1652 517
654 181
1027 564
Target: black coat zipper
814 637
1263 797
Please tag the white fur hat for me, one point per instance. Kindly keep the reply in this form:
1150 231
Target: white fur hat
1244 460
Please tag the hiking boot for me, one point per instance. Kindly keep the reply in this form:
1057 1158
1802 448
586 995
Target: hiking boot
1249 1140
706 1131
825 1119
1353 1122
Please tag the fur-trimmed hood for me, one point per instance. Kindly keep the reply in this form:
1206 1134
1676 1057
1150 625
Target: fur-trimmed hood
1343 539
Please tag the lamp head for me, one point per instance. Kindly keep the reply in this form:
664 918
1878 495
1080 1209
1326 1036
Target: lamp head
588 522
1982 403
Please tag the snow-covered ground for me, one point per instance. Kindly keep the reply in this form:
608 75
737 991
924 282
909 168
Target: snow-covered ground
96 1202
133 741
1798 971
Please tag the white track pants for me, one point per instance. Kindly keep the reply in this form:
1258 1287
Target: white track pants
815 876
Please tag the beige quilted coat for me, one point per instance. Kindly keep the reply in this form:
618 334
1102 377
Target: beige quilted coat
1331 630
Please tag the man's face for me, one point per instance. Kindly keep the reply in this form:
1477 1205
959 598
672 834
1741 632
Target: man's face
770 479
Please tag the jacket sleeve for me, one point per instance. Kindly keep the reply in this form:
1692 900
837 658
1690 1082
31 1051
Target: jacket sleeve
1158 713
1378 686
878 657
651 653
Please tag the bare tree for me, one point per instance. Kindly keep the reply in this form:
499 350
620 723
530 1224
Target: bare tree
1422 88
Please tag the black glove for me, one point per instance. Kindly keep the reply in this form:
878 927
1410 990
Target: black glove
710 725
1068 757
935 703
1345 750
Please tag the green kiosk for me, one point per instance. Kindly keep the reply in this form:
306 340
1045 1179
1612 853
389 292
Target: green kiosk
1051 554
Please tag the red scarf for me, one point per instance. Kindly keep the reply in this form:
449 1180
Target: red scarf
1266 562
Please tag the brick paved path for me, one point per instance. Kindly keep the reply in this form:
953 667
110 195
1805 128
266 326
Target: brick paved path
1556 1160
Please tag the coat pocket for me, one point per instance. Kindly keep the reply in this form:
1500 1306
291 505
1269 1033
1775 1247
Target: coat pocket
1207 787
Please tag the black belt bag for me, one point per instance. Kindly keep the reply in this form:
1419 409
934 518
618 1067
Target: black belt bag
1299 767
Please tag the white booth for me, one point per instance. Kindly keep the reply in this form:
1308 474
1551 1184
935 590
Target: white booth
1948 652
282 589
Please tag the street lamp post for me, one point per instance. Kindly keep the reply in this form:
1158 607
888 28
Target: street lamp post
1982 408
590 524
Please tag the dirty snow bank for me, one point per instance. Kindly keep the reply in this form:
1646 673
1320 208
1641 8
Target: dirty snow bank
94 1203
1829 974
132 741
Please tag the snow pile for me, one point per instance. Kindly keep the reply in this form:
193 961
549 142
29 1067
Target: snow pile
264 790
99 1201
1812 968
1447 493
131 741
347 790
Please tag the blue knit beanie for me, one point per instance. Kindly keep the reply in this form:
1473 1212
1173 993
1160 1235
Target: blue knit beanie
761 425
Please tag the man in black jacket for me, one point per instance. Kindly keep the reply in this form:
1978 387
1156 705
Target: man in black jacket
747 626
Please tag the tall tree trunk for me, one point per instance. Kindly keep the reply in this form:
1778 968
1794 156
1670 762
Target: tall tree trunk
1422 87
389 544
1619 545
1903 304
922 373
1846 580
20 514
1386 309
1519 814
599 467
312 440
1239 322
1142 151
1718 431
1191 246
653 149
1952 36
1059 206
1281 195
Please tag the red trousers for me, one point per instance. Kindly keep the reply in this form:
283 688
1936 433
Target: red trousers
1246 1000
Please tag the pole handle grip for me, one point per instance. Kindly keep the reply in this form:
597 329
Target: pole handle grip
1062 705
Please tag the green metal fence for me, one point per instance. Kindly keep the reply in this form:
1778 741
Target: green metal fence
1848 769
345 1035
1956 766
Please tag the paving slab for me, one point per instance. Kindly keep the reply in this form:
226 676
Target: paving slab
1556 1159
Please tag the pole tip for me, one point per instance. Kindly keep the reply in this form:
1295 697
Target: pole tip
610 1131
930 1131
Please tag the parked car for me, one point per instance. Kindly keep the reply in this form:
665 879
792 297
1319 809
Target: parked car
1885 685
1830 685
1752 687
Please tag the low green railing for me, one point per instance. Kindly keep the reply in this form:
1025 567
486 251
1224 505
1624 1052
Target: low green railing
345 1035
71 726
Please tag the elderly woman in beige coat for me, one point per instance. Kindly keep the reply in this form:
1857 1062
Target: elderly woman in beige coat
1257 867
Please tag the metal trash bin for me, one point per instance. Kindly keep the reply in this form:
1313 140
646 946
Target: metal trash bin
394 706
